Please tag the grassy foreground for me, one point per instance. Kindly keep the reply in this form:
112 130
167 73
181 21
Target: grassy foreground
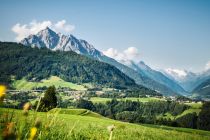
82 124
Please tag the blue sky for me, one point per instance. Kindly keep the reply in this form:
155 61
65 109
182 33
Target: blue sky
167 33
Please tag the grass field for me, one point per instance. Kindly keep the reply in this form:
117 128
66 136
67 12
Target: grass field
81 112
73 125
194 107
103 100
23 84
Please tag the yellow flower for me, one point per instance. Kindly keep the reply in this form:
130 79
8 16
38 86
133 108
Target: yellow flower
2 92
111 128
8 132
2 89
33 133
37 123
26 106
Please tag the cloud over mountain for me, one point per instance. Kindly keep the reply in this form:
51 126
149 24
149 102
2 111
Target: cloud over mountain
34 27
207 67
131 53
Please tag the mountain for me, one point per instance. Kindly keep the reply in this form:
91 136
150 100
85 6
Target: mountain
141 67
202 90
35 64
56 41
188 80
70 43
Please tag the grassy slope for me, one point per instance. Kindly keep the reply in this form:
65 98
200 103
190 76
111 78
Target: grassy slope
103 100
96 128
194 107
81 112
23 84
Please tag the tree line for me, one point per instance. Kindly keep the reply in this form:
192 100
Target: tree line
138 112
134 111
34 64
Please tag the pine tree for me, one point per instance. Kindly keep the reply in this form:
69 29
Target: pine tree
49 101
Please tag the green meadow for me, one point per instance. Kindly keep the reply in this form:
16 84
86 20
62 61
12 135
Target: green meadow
104 100
23 84
83 124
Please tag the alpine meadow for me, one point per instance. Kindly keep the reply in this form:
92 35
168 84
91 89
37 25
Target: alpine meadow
105 70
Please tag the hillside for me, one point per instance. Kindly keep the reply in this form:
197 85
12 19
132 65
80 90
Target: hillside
47 38
35 64
202 90
157 76
187 79
24 84
140 78
74 126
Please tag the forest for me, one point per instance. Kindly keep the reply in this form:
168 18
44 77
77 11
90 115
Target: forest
34 64
138 112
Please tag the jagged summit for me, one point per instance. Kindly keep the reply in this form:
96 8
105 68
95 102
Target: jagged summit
57 41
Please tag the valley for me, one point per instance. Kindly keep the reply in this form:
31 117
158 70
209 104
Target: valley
105 70
86 87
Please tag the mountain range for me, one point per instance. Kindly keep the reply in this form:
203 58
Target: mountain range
157 76
166 82
203 90
35 64
188 80
143 75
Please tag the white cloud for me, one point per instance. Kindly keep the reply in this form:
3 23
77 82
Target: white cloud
34 27
62 26
130 53
207 67
177 72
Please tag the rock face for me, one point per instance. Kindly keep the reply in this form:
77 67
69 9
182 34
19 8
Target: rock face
56 41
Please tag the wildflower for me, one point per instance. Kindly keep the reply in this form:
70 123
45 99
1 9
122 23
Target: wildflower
37 122
8 132
110 129
26 107
2 92
47 127
33 133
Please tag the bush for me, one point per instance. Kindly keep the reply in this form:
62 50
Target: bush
81 103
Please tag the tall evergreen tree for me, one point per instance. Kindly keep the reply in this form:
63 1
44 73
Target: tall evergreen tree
49 101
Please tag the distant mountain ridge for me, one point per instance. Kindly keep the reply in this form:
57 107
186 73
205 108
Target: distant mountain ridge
157 76
188 80
202 90
56 41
